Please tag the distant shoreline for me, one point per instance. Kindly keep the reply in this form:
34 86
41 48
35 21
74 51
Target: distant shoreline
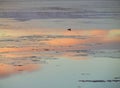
99 81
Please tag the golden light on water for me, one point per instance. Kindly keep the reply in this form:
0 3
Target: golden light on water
8 70
63 42
37 44
59 43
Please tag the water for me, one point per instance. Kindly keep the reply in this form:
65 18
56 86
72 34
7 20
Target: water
60 60
37 50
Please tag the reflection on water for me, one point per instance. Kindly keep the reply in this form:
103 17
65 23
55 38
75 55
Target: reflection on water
76 55
37 50
7 70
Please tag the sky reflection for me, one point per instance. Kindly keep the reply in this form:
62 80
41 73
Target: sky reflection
20 53
37 50
7 70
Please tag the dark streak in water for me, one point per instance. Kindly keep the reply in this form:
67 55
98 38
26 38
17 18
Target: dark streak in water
96 81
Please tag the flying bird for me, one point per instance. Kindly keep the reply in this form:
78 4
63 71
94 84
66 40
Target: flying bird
69 29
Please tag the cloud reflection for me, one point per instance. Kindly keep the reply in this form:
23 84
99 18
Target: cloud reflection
25 53
63 42
8 70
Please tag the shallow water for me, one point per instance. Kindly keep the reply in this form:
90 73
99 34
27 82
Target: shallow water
60 60
37 50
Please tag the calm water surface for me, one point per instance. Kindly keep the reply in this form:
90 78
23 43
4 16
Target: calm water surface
60 60
37 50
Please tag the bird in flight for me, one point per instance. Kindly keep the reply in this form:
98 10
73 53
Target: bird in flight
69 29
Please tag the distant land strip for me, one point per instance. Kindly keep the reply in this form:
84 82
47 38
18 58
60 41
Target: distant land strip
98 80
